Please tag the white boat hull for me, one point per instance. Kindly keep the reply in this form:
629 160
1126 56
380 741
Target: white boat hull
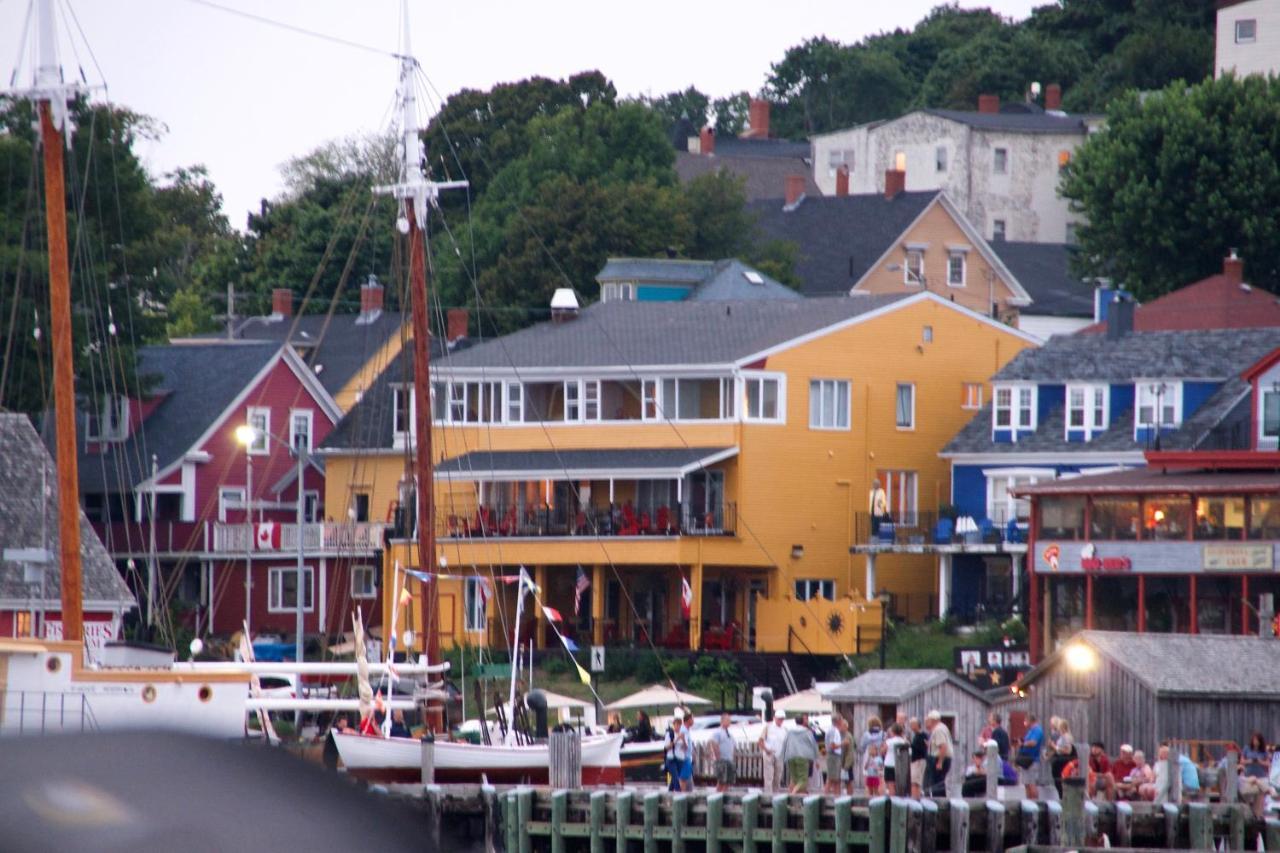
395 759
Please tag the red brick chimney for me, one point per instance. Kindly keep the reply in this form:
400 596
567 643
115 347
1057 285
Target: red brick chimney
895 181
456 320
1053 97
757 120
370 296
1233 268
842 181
988 103
282 302
707 141
795 189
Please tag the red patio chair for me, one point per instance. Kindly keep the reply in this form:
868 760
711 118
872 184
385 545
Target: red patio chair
646 523
664 520
629 525
508 526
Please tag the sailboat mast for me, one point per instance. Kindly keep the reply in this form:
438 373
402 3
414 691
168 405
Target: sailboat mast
53 121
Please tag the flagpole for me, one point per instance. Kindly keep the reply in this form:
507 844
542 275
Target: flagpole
515 644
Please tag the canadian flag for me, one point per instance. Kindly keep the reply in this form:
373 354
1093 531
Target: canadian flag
266 536
686 597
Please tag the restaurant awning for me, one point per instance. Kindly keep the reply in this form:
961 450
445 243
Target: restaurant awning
1156 481
656 696
603 464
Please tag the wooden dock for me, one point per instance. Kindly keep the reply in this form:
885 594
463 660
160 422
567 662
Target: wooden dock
525 820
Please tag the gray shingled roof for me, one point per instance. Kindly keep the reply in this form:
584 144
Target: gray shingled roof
710 280
1207 665
575 464
24 515
896 685
197 382
1043 270
1017 122
1212 354
839 238
339 346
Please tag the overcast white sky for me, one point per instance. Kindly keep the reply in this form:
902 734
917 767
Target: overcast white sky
241 96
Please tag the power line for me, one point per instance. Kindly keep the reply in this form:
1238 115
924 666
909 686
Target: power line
294 28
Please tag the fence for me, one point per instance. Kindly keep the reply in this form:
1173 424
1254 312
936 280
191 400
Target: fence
501 519
748 761
319 536
929 528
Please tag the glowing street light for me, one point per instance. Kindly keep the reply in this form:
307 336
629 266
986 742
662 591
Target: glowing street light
246 435
1080 657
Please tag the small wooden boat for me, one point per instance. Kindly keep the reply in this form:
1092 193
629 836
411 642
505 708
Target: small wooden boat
399 759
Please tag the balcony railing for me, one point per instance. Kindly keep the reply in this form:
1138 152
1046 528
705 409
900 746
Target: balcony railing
928 528
133 537
493 520
319 536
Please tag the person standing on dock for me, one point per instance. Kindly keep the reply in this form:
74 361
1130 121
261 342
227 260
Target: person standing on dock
726 746
941 749
835 755
919 756
799 753
1028 757
684 751
771 740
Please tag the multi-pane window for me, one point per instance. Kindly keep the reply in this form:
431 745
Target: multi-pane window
1159 404
474 604
763 398
1003 505
473 402
1014 407
1087 408
402 410
227 499
913 267
811 588
300 430
1000 161
955 269
971 395
940 158
260 420
1246 31
282 589
901 492
997 229
1271 414
838 157
905 406
515 402
364 582
360 506
110 422
828 404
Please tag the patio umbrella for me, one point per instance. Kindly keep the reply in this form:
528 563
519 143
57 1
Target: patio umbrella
656 696
556 701
804 702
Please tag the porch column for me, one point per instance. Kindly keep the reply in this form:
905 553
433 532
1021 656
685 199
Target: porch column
1142 604
695 609
869 588
598 582
944 585
1088 602
539 580
1195 609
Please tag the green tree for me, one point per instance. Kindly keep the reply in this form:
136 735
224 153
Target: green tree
731 113
1003 63
1176 180
189 314
822 85
689 104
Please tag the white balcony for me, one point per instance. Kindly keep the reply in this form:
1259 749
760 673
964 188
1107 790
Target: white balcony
320 537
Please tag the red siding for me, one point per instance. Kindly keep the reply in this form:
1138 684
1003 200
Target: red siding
229 597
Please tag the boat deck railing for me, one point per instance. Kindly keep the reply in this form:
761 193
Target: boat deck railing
39 712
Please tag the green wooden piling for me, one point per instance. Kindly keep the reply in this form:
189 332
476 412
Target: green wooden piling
492 819
879 808
524 808
1091 817
1029 822
844 822
915 825
812 812
779 817
750 820
959 814
598 803
511 821
1124 824
1073 812
929 826
1272 834
1170 825
651 801
898 829
679 819
1200 820
1239 814
622 820
715 820
995 826
1053 816
559 811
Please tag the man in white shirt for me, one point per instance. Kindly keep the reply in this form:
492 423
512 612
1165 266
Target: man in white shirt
771 740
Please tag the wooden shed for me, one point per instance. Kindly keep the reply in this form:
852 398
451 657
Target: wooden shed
915 692
1121 687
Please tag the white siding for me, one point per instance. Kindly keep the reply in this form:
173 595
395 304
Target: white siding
1261 56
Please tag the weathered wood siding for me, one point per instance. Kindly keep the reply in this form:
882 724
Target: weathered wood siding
970 713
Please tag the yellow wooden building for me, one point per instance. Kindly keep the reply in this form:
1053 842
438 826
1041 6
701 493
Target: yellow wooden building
729 445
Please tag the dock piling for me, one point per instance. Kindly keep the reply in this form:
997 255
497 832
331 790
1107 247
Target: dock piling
993 769
524 812
1124 824
959 814
679 820
778 816
622 820
1053 817
431 812
1029 819
929 826
1170 825
1200 822
652 801
1073 812
750 820
715 820
492 820
559 811
598 803
844 822
995 826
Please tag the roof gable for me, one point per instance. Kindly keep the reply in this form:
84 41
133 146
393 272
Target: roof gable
1216 302
1044 272
896 685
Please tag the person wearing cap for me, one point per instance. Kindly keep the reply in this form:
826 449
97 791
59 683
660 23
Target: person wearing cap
1123 765
771 740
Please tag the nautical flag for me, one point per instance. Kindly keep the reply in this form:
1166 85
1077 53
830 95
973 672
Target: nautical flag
686 597
405 597
579 588
568 643
552 614
422 576
266 536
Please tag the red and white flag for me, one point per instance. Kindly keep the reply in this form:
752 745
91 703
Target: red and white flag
686 597
581 586
552 614
266 536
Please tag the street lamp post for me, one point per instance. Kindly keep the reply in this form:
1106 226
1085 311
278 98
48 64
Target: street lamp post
247 435
884 624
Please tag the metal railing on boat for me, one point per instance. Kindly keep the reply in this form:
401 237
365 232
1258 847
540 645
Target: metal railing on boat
46 712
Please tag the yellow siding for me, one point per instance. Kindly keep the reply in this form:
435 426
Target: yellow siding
793 486
349 394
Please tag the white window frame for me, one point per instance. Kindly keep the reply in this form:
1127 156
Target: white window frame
1144 394
837 157
1094 400
651 399
513 402
999 229
309 416
275 589
259 417
897 398
940 158
403 437
756 376
229 497
1264 437
728 398
1246 39
364 590
1012 478
969 400
827 411
952 256
902 493
111 422
807 589
313 507
1000 160
1015 407
913 266
473 609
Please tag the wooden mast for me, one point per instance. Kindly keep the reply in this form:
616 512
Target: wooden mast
54 117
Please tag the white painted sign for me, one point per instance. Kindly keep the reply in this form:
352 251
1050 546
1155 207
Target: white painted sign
96 635
597 658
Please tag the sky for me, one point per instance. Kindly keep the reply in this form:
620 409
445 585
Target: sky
241 96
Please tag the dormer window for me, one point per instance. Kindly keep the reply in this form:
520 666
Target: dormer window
110 421
913 266
1159 404
1087 410
1014 407
1271 413
615 291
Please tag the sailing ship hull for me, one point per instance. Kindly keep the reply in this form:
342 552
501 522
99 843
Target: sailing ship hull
377 759
643 761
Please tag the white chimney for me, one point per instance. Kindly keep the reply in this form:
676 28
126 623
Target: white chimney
564 305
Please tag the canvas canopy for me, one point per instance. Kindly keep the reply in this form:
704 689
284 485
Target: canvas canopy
656 696
804 702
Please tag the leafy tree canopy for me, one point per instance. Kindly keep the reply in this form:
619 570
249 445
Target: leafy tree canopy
1177 179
